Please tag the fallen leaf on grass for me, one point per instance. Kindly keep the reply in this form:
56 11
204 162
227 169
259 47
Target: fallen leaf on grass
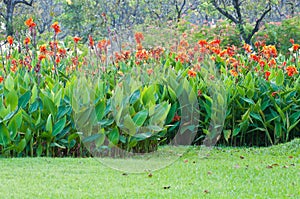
242 157
291 157
209 172
206 191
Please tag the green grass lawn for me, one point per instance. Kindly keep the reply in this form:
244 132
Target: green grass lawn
200 173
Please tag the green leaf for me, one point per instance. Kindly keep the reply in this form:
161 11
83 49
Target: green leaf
12 99
49 124
9 83
249 101
33 107
227 134
128 125
140 117
148 95
24 99
21 145
100 109
4 135
142 136
113 136
280 78
236 131
59 126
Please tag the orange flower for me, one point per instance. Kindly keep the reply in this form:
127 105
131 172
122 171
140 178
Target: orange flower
103 44
41 57
27 41
29 22
291 70
254 57
296 47
192 73
262 63
76 39
267 75
56 27
10 40
139 37
142 54
202 43
215 42
1 79
247 48
57 60
91 41
272 62
149 71
43 49
234 73
292 41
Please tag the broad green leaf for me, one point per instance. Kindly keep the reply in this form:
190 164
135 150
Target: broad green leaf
100 109
129 126
24 99
227 134
59 126
12 99
280 78
140 117
113 136
4 135
49 124
21 145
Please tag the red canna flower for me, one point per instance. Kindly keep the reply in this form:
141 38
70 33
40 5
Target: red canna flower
29 23
176 118
247 48
274 94
1 79
43 49
262 63
57 60
76 39
202 43
255 57
27 41
56 27
10 40
139 37
296 47
291 70
234 73
267 75
192 73
41 57
91 41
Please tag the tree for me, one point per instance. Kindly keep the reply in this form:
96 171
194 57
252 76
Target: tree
8 16
232 10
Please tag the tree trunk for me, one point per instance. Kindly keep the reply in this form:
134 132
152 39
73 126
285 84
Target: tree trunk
9 18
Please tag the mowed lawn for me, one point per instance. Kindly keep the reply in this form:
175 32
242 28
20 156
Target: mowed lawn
272 172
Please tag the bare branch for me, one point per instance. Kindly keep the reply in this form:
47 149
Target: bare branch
23 2
224 12
237 8
256 28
